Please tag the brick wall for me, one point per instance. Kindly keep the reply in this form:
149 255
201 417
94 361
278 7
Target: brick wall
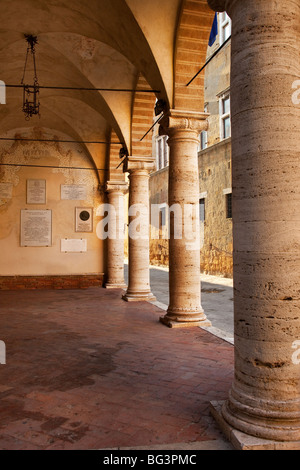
51 282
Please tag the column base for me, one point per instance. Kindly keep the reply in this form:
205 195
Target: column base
243 441
139 297
173 320
116 286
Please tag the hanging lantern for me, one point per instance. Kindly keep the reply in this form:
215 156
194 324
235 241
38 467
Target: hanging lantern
31 104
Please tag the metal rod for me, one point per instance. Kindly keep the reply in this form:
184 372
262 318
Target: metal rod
156 122
209 60
50 166
124 159
124 90
61 141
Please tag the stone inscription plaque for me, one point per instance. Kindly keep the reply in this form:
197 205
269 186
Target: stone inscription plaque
73 192
36 191
69 245
36 228
84 219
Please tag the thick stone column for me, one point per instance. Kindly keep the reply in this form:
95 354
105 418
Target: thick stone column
265 397
139 229
115 243
183 129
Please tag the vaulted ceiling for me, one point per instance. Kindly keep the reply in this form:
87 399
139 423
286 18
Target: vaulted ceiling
111 44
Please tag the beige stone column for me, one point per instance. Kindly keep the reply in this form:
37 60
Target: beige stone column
183 129
265 397
139 228
115 242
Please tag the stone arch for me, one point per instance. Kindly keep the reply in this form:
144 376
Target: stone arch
142 119
190 54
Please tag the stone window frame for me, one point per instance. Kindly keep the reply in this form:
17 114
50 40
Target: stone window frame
224 116
202 197
228 201
162 218
203 136
162 152
224 22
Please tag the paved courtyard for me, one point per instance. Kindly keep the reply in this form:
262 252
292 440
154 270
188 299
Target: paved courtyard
86 370
216 294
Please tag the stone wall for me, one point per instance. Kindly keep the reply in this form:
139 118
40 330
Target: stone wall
215 179
216 231
159 246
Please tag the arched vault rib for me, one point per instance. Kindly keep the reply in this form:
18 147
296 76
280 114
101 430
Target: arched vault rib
190 54
58 126
67 74
112 23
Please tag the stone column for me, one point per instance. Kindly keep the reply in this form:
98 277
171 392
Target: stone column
183 129
265 397
115 243
139 227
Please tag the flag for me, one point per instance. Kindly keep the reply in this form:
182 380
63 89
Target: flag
214 31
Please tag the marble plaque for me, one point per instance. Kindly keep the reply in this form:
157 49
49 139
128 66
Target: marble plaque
73 192
6 190
36 191
36 228
84 219
69 245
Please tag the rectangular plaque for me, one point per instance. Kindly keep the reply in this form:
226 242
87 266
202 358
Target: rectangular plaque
84 219
36 191
69 245
73 192
36 228
6 190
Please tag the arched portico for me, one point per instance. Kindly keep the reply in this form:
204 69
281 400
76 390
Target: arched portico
265 397
105 64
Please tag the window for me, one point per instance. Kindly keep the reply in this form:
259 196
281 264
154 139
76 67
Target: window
225 27
162 217
203 141
225 124
162 152
202 210
203 136
229 206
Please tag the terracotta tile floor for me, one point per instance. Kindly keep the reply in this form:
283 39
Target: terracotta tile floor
86 370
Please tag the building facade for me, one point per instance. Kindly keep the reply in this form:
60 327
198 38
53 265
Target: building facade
215 187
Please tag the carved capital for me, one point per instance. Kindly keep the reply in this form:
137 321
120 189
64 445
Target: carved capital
217 5
116 187
133 164
183 120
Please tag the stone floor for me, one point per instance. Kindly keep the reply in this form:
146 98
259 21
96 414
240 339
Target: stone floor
216 299
86 370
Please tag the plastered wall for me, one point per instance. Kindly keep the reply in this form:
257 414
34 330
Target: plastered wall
33 158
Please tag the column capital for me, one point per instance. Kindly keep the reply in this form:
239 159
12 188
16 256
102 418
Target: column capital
217 5
116 187
183 120
137 163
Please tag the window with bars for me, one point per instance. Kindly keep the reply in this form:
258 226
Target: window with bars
162 218
203 136
202 209
229 206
